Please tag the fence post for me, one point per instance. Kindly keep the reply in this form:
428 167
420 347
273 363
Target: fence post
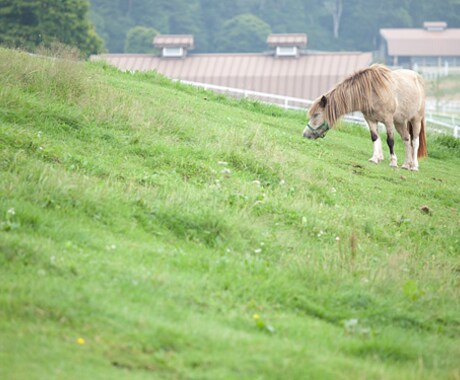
456 131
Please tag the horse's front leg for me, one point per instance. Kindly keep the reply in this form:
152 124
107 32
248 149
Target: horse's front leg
377 156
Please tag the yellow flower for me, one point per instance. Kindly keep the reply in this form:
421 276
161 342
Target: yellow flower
81 341
256 317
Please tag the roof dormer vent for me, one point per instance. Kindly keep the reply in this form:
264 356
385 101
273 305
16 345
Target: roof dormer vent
174 46
287 45
435 26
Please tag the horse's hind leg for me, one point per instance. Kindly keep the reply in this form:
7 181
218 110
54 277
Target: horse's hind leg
406 137
377 156
415 127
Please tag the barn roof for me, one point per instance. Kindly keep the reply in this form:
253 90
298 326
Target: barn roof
306 76
299 40
174 40
434 40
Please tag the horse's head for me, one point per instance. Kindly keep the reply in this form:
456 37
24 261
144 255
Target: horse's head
317 126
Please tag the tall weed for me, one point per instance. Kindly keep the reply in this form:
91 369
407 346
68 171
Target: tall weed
54 71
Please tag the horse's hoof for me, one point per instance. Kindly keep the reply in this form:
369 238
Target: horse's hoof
405 167
414 169
374 160
393 165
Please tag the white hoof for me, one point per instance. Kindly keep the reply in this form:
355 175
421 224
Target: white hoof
374 160
393 161
405 167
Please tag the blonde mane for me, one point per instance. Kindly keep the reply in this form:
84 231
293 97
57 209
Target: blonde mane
355 93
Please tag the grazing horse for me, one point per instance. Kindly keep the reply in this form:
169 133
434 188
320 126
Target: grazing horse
394 98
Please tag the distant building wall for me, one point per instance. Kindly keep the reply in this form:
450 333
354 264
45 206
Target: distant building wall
432 45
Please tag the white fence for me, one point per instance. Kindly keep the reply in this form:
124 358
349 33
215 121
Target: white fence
447 125
443 106
286 102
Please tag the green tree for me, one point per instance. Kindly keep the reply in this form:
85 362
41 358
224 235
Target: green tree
243 33
212 17
362 20
445 10
140 40
330 24
114 18
30 23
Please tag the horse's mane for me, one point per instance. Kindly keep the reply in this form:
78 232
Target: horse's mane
354 93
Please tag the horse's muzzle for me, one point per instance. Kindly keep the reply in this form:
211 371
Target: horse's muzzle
314 133
309 136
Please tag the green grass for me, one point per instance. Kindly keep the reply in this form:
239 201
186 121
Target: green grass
149 230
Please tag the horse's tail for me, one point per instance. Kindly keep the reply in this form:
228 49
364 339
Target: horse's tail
422 150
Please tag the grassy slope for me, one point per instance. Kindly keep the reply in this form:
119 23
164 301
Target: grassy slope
121 224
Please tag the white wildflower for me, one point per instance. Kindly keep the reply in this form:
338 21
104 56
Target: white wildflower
351 324
11 211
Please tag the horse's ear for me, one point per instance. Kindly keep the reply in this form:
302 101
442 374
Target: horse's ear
323 101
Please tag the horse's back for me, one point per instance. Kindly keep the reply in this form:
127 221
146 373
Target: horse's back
410 93
409 81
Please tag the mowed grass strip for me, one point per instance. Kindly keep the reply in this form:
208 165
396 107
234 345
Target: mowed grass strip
152 230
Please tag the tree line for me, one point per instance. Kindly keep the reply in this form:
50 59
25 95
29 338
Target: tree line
28 24
243 25
217 25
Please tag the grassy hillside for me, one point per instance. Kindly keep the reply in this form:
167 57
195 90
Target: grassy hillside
149 230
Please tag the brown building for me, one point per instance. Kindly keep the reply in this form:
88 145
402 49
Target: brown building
433 45
286 69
